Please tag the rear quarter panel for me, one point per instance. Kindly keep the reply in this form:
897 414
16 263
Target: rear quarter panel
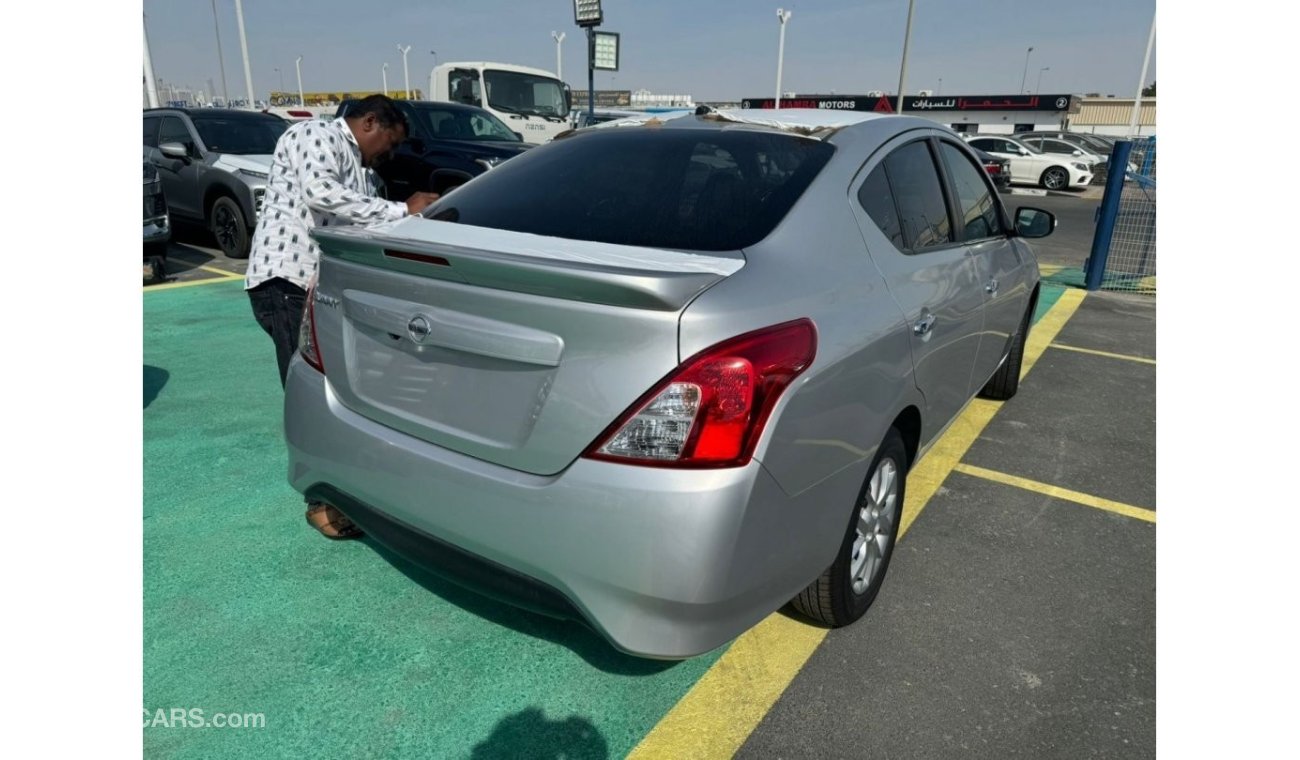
815 265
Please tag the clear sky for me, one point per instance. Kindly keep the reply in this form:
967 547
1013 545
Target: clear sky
710 49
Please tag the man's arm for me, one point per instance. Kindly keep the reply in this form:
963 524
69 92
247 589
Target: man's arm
324 191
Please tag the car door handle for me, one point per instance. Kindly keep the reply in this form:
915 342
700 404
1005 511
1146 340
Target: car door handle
991 287
925 324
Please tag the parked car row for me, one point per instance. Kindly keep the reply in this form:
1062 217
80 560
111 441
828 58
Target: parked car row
1032 166
213 163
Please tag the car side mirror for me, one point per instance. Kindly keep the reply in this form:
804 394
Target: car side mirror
174 150
1077 153
519 135
1024 151
1034 222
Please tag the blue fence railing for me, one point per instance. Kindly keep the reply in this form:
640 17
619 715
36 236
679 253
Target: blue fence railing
1123 254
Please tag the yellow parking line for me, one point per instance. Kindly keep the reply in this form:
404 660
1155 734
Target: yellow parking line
189 283
1095 352
1059 493
223 272
722 709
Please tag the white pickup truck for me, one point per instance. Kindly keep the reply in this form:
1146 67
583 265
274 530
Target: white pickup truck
532 102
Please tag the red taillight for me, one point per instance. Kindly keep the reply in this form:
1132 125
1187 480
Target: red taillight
307 343
711 410
993 168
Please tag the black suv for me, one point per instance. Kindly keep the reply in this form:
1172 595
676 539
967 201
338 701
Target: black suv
448 144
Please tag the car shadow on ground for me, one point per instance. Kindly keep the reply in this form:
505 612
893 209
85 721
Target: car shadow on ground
529 733
154 380
571 634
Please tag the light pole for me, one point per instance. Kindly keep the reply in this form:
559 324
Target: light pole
385 79
221 58
559 63
432 72
1039 86
405 71
297 64
940 90
902 69
1026 74
782 16
243 45
150 84
588 14
281 73
1137 99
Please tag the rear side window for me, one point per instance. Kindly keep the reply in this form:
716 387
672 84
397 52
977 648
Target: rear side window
922 212
979 211
688 189
878 201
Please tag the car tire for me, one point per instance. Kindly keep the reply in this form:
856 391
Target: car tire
847 588
226 222
157 269
1006 381
1055 178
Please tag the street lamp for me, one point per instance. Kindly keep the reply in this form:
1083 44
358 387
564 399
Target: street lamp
243 46
150 83
405 71
385 79
902 69
281 73
782 16
221 59
1026 73
1039 86
559 62
587 14
940 90
302 103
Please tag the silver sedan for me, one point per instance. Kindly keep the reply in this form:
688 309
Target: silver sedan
667 377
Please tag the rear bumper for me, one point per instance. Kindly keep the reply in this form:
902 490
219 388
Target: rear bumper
663 563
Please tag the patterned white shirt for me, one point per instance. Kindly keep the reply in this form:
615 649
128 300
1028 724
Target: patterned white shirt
316 179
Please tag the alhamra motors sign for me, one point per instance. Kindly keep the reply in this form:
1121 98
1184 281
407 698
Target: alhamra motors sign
885 103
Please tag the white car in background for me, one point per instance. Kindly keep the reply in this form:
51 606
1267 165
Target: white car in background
1063 147
1030 166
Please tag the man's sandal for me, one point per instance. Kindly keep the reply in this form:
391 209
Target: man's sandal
340 528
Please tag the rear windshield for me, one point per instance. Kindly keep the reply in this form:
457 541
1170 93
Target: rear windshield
688 189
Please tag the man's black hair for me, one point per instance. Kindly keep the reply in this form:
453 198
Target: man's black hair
385 110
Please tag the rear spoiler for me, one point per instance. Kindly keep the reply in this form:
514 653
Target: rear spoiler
580 270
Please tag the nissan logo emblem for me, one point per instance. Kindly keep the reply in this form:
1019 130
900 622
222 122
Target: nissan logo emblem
419 328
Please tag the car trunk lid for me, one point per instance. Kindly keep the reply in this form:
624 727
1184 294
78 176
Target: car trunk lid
514 348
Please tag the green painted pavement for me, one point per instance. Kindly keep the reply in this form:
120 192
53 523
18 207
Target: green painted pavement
247 610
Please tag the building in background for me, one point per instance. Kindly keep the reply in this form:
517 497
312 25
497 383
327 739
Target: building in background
1111 116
